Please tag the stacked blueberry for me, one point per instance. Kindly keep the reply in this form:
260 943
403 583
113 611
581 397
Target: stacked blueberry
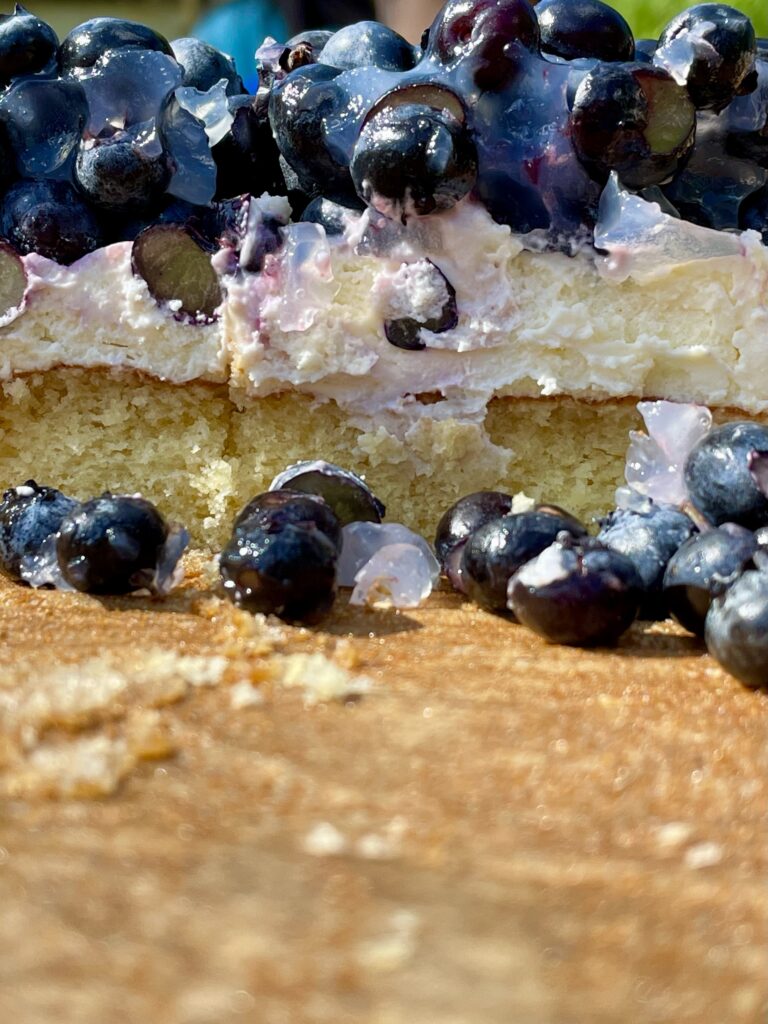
114 544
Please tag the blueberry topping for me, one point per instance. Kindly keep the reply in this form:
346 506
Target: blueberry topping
203 65
44 120
126 171
316 38
483 33
290 572
345 492
427 297
718 476
702 568
87 42
333 217
412 159
633 119
368 44
576 592
273 510
247 158
584 28
497 549
736 630
711 48
29 514
28 45
175 262
649 539
50 218
111 545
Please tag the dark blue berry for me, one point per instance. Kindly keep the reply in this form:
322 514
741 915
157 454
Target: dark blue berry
406 331
28 45
368 44
703 567
645 49
584 28
111 545
736 630
203 65
127 171
496 550
577 592
89 41
44 120
28 516
718 477
247 158
347 494
649 539
467 515
485 33
273 510
290 572
175 262
50 218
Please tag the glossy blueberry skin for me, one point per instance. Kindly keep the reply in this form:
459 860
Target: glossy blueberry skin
649 540
584 28
346 493
368 44
316 38
467 515
247 158
118 174
290 572
703 567
480 31
495 551
27 45
203 65
715 46
592 600
44 120
273 510
111 544
736 631
411 159
718 478
27 519
51 218
83 46
645 49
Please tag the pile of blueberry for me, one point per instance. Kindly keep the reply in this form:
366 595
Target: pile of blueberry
706 564
116 134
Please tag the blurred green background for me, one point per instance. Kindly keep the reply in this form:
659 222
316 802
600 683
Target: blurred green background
647 17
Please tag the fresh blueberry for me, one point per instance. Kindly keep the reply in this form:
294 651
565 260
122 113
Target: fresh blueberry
316 38
368 44
29 514
718 477
465 516
576 592
649 539
127 171
645 49
703 567
44 120
28 45
203 65
50 218
496 550
111 545
411 159
128 88
247 158
584 28
347 494
633 119
290 572
175 262
736 631
89 41
273 510
484 33
712 47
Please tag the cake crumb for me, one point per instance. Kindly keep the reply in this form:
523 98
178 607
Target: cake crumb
324 840
320 678
244 695
703 855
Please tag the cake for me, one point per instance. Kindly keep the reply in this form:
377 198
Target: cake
488 322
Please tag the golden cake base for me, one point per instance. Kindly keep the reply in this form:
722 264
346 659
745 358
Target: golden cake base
497 832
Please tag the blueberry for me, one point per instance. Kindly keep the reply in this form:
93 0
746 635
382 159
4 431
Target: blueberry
313 37
412 159
247 158
718 478
497 549
712 47
649 539
485 32
50 218
577 593
111 545
127 88
348 495
467 515
128 171
333 217
89 41
736 630
28 515
584 28
645 49
368 44
424 300
203 65
273 510
290 572
28 45
633 119
44 120
703 567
